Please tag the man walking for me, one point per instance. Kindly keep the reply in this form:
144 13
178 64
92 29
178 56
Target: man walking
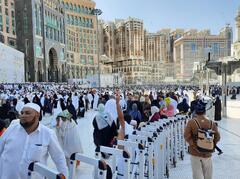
201 161
26 141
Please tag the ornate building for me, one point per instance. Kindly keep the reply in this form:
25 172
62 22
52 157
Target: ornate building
194 46
123 41
155 47
7 23
81 38
41 37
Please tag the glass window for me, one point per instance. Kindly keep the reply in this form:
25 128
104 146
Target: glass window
215 47
193 45
6 11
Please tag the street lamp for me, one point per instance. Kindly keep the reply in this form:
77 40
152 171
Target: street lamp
98 12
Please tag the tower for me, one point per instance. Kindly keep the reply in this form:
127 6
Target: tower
238 25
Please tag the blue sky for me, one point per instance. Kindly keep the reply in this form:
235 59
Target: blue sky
157 14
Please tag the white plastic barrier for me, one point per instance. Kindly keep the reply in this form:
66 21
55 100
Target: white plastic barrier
149 152
119 161
100 166
136 156
36 167
158 161
148 143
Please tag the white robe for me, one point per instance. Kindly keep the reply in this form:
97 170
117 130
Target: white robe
95 101
111 108
69 138
90 98
75 102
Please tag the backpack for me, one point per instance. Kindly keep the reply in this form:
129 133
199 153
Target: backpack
205 138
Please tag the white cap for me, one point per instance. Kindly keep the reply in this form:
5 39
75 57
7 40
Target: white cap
33 106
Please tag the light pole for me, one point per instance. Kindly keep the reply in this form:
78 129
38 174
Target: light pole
98 12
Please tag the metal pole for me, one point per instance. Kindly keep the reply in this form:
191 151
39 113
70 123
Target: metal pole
224 90
207 85
44 42
99 70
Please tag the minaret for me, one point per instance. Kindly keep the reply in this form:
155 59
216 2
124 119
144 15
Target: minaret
238 25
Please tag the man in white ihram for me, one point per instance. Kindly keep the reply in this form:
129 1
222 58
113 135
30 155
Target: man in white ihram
26 141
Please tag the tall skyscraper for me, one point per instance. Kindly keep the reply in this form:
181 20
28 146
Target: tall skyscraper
41 37
7 23
81 38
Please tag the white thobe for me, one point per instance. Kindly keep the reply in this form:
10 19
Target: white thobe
95 101
111 108
75 102
18 149
69 138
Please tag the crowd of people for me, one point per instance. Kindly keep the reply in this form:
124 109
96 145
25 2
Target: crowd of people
118 112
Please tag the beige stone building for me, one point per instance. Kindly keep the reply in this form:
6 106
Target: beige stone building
7 23
129 51
194 46
155 47
81 38
165 56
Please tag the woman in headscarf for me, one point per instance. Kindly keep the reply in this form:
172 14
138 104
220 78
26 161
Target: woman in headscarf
218 109
155 114
71 109
170 107
68 134
146 108
105 128
135 113
183 107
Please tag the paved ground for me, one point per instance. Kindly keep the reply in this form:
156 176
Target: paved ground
226 166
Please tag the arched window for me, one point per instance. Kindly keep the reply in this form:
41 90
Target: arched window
83 9
68 19
72 20
76 20
91 23
71 7
83 22
80 21
78 9
75 8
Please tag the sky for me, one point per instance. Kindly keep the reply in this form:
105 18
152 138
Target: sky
158 14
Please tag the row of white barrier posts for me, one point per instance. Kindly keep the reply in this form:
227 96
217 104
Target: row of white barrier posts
149 152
